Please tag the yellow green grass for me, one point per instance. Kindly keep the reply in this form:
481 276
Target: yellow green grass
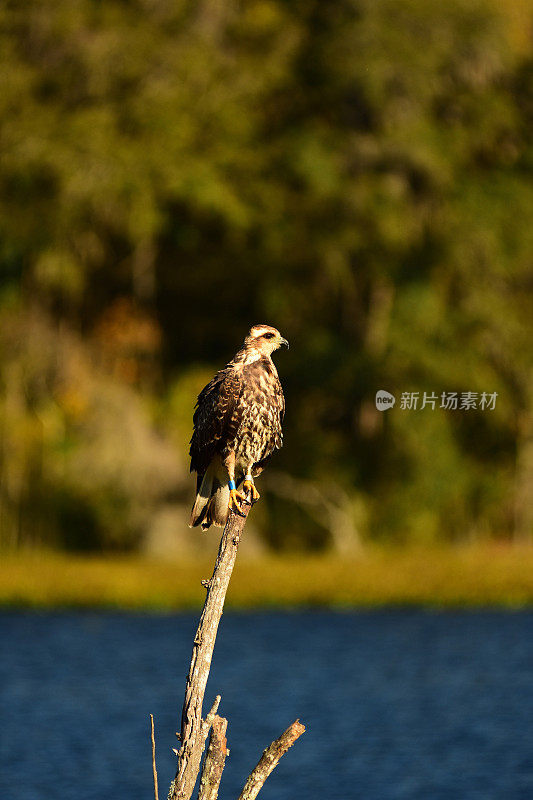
481 575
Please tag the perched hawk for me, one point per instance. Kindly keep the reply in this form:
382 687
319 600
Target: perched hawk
237 427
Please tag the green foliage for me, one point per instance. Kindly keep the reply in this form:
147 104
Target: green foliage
356 173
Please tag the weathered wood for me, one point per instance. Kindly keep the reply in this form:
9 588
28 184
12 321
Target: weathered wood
269 760
193 731
214 760
154 769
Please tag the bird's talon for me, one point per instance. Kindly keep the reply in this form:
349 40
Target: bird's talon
249 488
235 499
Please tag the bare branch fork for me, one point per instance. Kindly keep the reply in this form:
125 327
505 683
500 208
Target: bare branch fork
194 729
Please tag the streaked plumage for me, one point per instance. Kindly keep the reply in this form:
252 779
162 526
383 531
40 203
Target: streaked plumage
237 426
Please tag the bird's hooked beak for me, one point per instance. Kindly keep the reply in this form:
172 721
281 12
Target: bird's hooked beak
284 342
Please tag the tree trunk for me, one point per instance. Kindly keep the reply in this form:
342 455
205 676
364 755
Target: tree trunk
193 730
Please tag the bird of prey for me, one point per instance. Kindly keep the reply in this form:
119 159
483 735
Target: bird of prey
237 427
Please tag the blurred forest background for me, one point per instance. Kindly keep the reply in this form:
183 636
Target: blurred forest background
358 173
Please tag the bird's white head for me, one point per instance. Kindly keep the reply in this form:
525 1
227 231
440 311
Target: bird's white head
262 340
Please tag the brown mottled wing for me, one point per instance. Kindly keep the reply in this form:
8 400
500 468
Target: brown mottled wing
214 418
275 440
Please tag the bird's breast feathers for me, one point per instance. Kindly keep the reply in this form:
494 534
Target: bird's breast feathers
260 409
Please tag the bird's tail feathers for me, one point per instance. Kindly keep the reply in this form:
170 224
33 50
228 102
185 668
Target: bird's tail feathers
212 499
203 496
217 509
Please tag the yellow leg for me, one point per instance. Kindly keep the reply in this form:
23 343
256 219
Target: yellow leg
249 488
235 499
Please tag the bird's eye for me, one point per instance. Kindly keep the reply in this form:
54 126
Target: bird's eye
268 336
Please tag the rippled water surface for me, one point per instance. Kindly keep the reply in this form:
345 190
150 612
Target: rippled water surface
397 704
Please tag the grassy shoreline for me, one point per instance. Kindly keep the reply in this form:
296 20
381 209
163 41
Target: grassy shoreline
486 575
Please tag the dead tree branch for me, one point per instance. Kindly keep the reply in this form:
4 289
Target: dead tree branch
269 760
193 730
214 760
154 769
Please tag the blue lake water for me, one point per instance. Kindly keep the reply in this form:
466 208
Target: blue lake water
397 704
